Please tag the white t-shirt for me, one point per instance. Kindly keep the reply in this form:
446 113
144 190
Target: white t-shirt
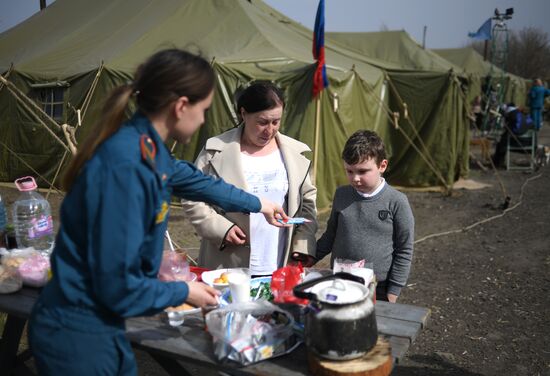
265 177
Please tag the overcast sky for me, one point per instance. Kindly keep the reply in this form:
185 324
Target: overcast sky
448 21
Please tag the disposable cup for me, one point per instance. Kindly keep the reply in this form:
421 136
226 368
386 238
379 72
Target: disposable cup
239 285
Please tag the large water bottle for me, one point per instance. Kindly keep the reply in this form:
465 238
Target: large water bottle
32 218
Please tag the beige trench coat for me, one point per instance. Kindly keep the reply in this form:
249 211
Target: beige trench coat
221 157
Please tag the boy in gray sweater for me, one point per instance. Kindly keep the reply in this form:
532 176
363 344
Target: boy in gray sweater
370 220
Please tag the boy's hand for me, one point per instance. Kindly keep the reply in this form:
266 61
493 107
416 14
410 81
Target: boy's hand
392 298
306 260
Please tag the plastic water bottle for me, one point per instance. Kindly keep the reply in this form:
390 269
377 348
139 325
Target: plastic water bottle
32 217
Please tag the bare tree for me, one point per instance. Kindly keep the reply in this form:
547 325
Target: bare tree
528 53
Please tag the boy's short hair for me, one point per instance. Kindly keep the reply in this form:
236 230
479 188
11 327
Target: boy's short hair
363 145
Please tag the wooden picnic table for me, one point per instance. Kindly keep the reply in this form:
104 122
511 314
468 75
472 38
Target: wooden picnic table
191 344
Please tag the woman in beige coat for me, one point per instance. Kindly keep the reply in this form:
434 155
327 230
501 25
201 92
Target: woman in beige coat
257 158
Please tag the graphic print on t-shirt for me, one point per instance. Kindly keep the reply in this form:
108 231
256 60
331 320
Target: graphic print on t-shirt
265 177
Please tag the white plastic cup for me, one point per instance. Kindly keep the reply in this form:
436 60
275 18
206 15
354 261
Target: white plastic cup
239 285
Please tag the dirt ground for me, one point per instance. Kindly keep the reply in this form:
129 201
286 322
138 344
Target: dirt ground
487 287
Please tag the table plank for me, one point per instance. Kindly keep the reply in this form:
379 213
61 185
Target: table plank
399 328
19 303
154 335
404 312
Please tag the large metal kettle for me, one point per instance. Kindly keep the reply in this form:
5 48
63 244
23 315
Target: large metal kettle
341 322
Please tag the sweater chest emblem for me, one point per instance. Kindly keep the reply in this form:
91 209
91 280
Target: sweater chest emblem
383 215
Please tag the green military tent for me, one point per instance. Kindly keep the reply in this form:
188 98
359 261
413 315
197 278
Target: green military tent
396 47
69 56
433 91
478 69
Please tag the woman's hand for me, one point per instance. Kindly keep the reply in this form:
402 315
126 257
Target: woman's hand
235 236
272 212
392 298
201 295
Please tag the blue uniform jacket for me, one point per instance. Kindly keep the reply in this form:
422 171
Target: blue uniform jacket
536 96
109 246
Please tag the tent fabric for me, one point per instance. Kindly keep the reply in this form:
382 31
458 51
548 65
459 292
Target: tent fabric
439 119
473 64
396 47
245 40
431 88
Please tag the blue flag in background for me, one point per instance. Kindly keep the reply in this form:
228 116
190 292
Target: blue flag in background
483 33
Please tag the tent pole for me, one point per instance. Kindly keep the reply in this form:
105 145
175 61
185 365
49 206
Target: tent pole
316 137
379 110
80 113
5 77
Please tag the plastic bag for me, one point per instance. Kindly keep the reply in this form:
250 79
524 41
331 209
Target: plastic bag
31 265
283 281
35 270
174 266
250 332
10 280
344 265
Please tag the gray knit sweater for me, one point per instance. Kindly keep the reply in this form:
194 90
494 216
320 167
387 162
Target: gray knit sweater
379 229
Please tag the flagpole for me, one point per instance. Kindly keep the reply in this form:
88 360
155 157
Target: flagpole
319 79
316 136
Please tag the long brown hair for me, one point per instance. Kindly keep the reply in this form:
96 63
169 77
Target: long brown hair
163 78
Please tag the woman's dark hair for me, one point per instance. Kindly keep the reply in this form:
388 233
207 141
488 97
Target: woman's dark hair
163 78
260 96
363 145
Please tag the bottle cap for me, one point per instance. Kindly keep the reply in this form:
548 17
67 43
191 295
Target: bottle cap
25 184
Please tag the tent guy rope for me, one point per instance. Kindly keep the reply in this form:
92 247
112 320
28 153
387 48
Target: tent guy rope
33 109
81 113
393 117
475 224
29 166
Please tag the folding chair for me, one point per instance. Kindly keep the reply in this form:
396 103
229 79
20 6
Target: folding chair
526 144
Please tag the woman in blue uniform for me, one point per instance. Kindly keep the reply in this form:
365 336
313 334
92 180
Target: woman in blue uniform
113 219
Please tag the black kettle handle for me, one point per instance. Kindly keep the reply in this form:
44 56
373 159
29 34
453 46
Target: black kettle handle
299 289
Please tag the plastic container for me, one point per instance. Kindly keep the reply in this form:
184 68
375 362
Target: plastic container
32 218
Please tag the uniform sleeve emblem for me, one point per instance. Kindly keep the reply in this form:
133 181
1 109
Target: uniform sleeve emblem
161 216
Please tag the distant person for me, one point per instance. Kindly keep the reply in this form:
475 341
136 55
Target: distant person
370 220
255 156
516 123
108 250
477 112
536 102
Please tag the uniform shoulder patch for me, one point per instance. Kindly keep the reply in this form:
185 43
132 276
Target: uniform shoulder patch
161 215
148 150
